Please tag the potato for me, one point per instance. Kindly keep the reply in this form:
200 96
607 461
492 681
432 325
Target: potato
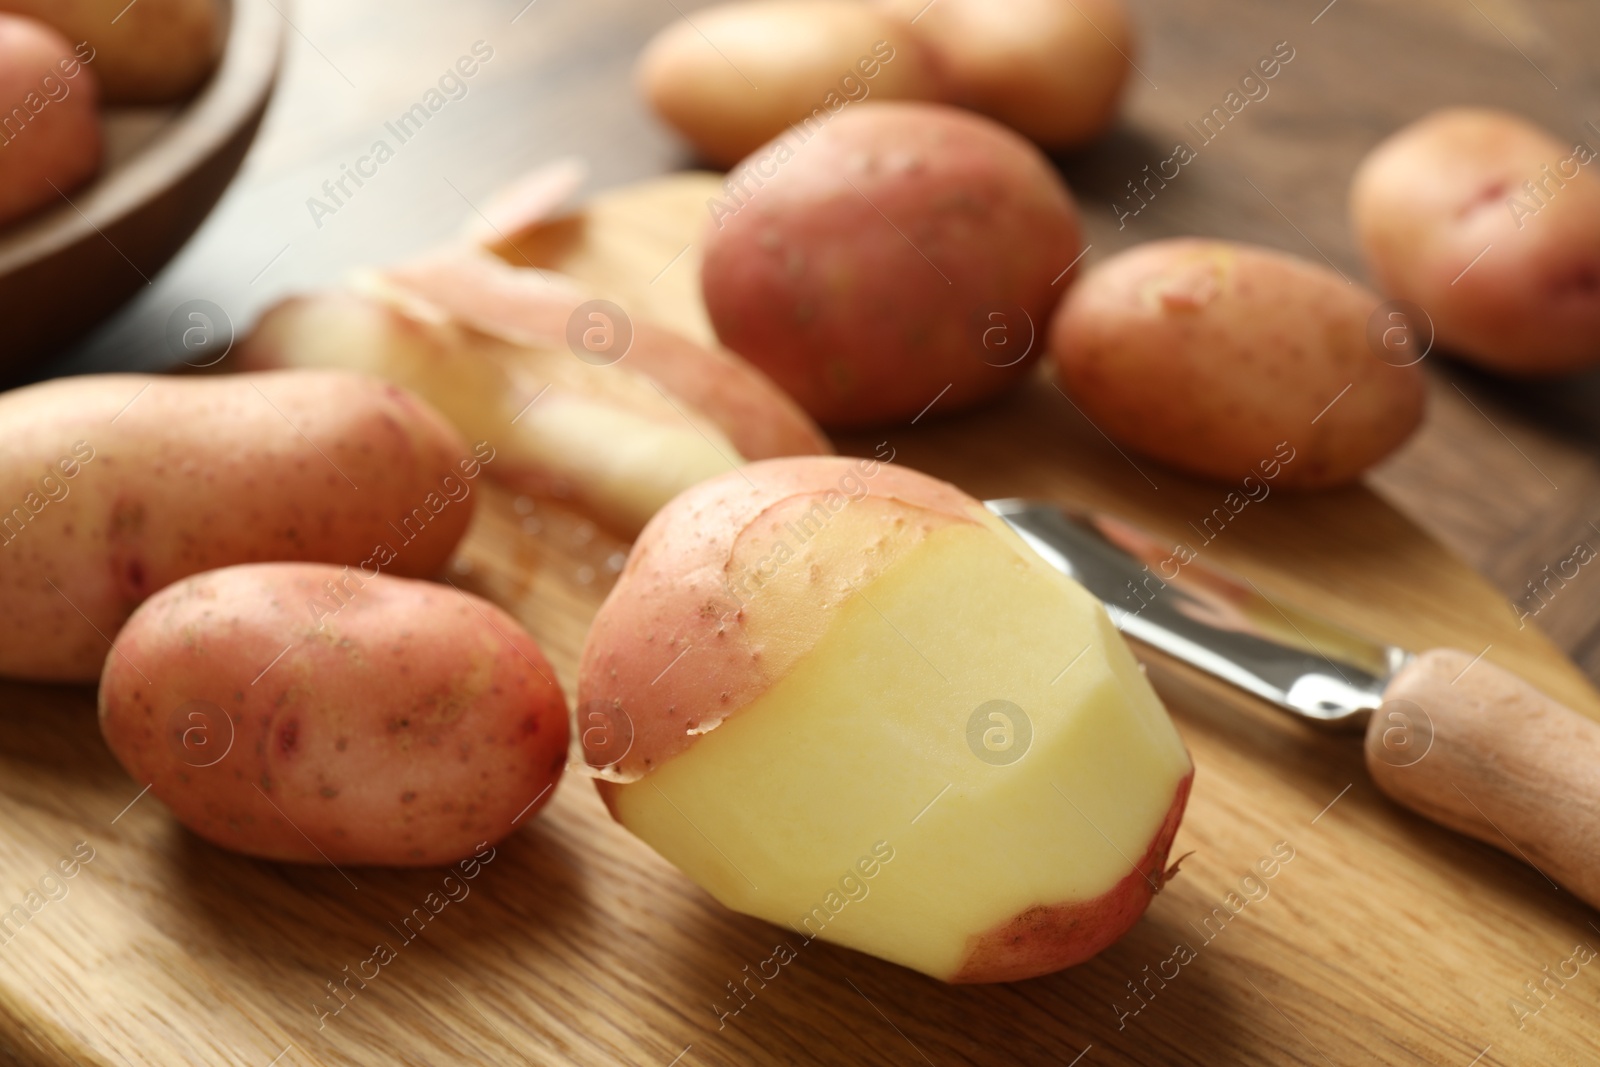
1231 361
1052 70
861 686
50 137
113 486
733 77
1491 226
149 52
909 253
489 344
304 712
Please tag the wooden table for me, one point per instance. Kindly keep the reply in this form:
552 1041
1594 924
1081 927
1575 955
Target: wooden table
1504 475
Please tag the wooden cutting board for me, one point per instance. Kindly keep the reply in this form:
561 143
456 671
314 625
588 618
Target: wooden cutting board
1384 940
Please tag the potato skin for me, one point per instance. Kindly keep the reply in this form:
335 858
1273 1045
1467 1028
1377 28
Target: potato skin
154 52
865 276
406 724
109 493
775 63
1208 355
1431 198
488 294
58 140
1053 70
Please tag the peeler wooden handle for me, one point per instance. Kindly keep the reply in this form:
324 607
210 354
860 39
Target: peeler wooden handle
1475 748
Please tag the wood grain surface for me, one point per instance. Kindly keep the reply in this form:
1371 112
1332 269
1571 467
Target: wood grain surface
1385 939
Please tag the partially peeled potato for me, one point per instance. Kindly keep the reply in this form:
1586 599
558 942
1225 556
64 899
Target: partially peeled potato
843 697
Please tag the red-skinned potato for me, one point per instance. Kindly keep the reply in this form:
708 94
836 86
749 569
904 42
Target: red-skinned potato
737 75
1492 227
318 714
149 52
1231 361
50 137
114 486
862 687
905 249
618 434
1053 70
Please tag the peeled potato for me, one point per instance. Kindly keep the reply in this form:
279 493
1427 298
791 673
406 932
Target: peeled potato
50 139
1235 362
149 52
1492 226
731 78
1050 69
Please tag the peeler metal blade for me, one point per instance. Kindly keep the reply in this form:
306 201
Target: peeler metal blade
1208 619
